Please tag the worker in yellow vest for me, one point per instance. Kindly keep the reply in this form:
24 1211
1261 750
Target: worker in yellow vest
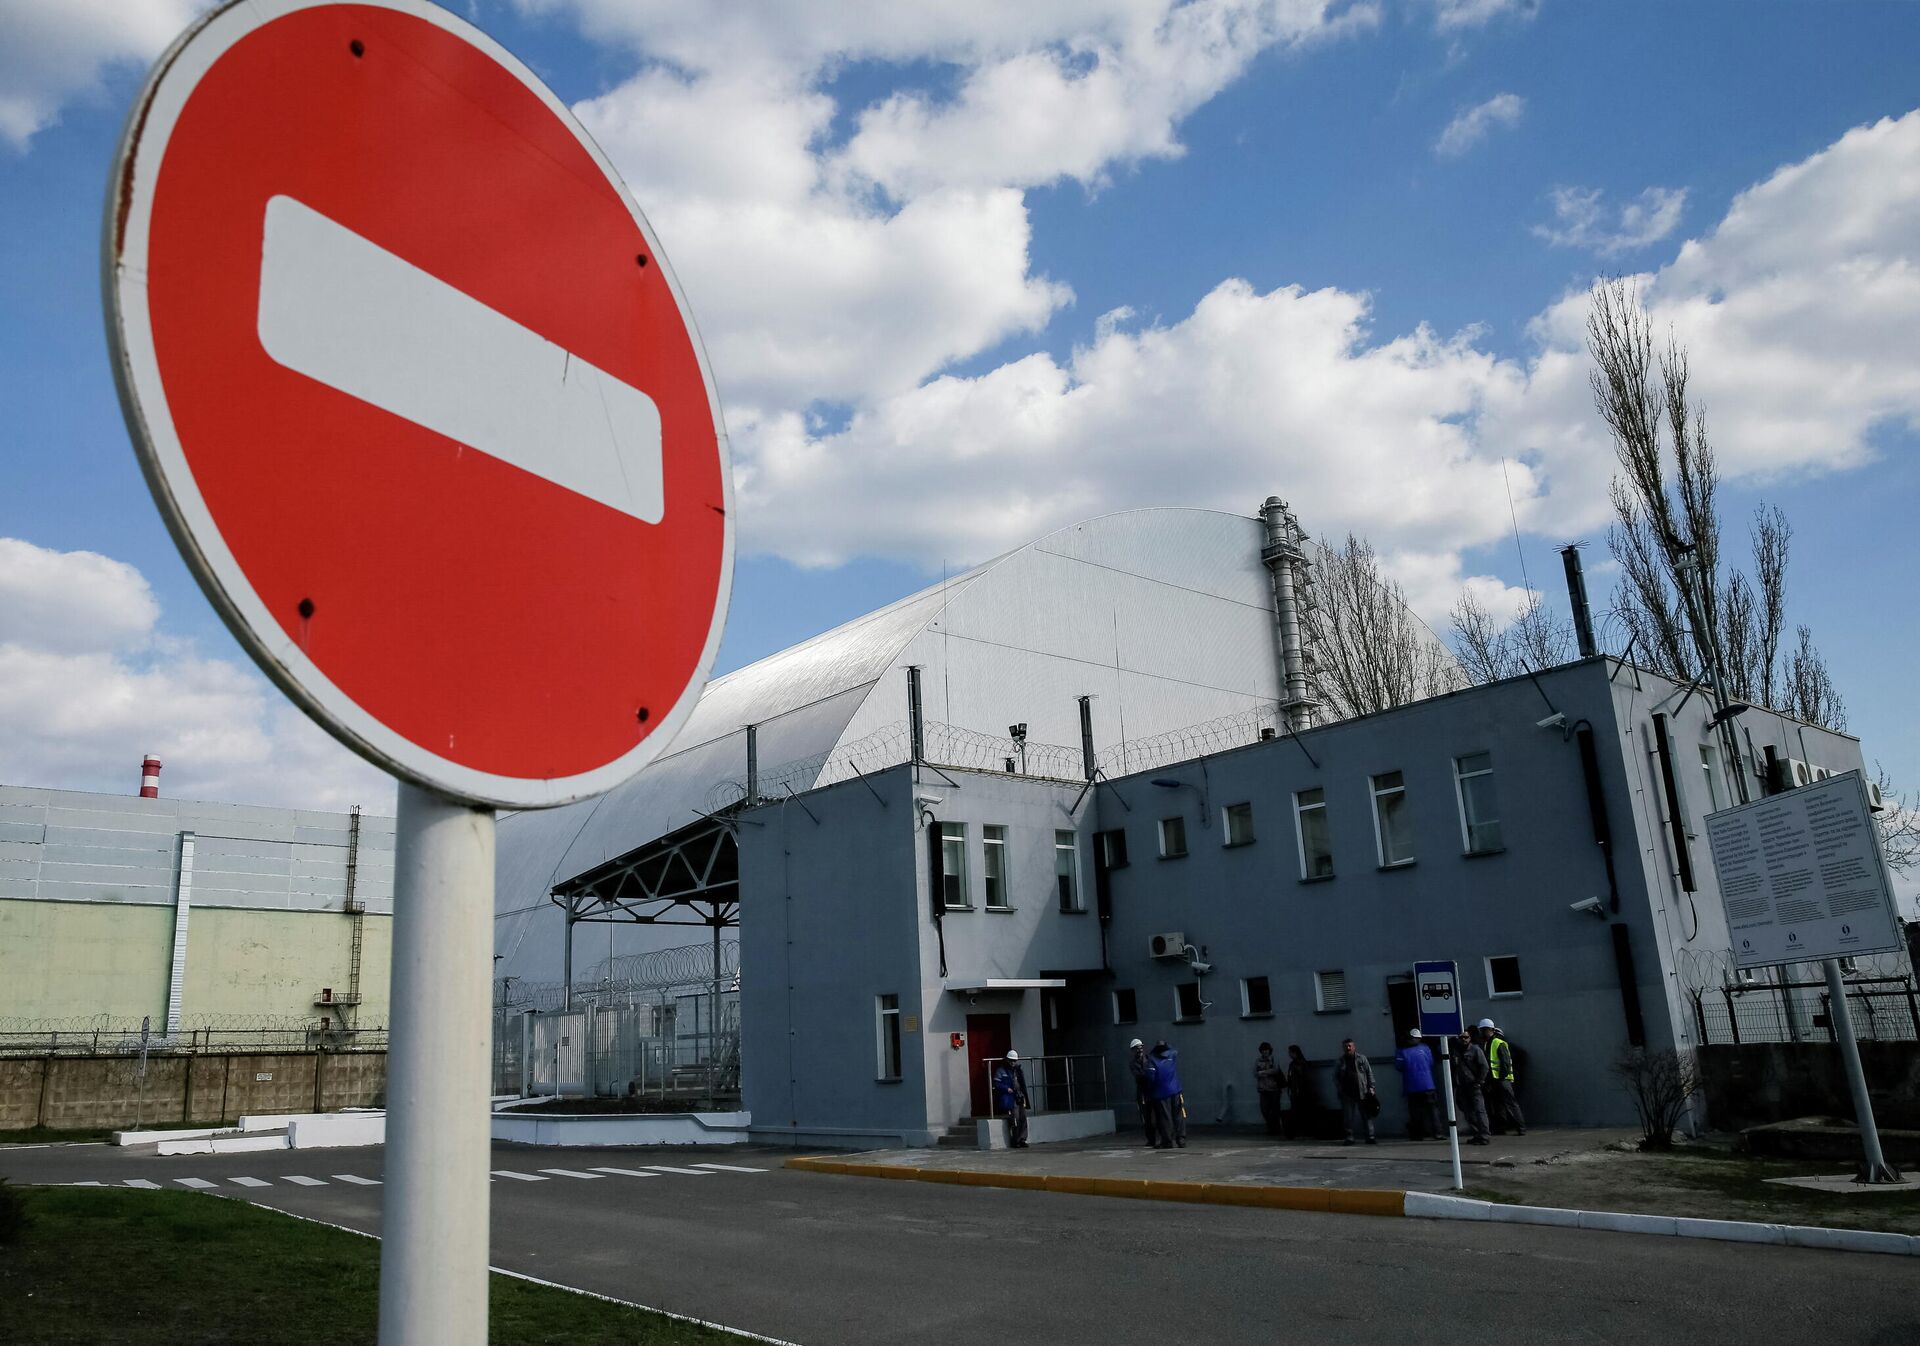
1501 1079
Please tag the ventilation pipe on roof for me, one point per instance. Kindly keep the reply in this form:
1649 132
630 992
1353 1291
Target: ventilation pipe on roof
150 777
1087 763
1286 562
916 724
753 772
1577 599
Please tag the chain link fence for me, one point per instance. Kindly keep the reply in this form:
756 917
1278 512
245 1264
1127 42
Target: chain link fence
109 1035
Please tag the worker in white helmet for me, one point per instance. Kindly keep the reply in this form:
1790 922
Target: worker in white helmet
1010 1098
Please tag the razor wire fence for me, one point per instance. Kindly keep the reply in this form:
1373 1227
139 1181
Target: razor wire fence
1791 1003
122 1035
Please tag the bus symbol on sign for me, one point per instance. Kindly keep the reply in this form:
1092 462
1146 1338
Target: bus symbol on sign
1436 990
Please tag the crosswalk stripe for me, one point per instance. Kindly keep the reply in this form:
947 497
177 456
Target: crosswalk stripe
731 1168
199 1183
626 1172
690 1172
523 1177
570 1173
249 1182
357 1182
303 1182
150 1185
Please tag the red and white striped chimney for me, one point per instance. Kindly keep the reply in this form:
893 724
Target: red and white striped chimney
150 777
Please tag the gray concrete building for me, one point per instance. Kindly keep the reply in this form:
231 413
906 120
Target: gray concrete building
1545 833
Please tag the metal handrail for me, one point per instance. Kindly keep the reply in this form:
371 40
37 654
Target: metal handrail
1058 1083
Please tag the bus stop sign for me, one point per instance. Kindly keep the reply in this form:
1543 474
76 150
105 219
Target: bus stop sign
1437 986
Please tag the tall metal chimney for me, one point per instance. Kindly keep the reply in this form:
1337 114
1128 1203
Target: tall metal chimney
150 777
753 771
1286 562
1577 599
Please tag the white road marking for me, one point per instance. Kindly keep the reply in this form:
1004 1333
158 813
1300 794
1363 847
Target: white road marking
200 1184
626 1172
357 1182
249 1182
143 1182
570 1173
302 1182
690 1172
731 1168
344 311
86 1184
523 1177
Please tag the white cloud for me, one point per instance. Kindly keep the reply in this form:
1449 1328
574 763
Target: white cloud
1473 125
1582 219
89 684
54 51
1455 15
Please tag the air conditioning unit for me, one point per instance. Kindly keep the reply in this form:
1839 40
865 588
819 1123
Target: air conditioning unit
1173 944
1798 772
1876 800
1821 773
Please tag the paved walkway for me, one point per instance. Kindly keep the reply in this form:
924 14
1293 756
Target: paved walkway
1241 1157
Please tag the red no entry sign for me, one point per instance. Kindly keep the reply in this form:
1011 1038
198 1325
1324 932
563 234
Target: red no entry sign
419 396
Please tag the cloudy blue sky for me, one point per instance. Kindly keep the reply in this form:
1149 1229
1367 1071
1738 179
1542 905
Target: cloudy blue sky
969 269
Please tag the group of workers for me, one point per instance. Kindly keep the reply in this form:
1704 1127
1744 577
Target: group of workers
1484 1084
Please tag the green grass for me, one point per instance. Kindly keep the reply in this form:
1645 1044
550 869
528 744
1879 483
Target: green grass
172 1268
43 1135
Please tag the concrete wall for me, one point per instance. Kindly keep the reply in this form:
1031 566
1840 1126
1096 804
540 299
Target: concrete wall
88 1092
830 920
1753 1083
1252 914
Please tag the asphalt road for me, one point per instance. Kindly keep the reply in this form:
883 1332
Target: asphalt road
817 1259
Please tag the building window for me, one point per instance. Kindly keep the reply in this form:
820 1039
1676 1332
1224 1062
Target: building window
1745 974
993 869
1710 768
1113 848
1316 844
887 1035
1125 1011
1237 825
1330 991
1479 805
953 866
1503 975
1066 871
1173 838
1187 1005
1392 828
1256 998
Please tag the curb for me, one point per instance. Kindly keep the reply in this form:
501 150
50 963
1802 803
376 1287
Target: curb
1378 1201
1434 1206
1334 1200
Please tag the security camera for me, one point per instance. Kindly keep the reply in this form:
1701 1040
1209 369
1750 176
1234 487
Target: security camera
926 798
1200 969
1553 721
1590 905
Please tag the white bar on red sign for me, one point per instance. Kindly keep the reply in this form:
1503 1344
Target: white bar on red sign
345 312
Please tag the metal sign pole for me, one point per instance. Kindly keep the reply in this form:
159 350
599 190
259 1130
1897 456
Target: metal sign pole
1877 1169
1453 1121
433 1254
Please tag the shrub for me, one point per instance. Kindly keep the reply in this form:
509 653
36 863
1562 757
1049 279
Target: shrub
1659 1083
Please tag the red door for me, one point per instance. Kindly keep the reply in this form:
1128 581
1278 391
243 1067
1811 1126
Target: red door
988 1036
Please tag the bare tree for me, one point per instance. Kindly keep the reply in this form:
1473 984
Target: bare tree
1659 1083
1534 640
1899 824
1675 596
1372 652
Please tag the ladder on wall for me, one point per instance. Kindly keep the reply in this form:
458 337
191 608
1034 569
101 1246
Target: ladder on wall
356 909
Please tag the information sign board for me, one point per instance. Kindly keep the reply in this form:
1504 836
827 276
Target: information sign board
1802 876
1438 987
